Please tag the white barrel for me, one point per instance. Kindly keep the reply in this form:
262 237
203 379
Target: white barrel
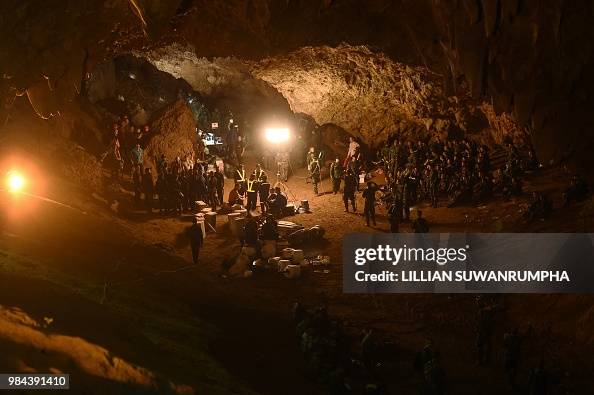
206 210
283 264
287 253
293 271
297 256
274 261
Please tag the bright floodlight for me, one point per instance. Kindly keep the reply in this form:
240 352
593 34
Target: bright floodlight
277 135
15 182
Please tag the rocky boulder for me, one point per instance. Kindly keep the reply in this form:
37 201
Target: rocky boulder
174 134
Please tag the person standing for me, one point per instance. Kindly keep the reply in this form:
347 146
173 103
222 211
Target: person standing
137 157
282 163
420 224
196 237
270 229
148 187
369 196
263 193
259 173
353 149
220 185
395 215
316 177
137 180
348 193
252 193
336 173
211 185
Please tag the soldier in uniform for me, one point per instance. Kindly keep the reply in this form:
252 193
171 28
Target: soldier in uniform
395 215
263 193
336 173
369 196
148 187
348 193
315 174
310 157
434 185
282 161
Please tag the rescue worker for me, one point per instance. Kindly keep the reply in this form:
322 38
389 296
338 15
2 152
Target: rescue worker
348 193
315 174
148 188
137 180
220 185
252 192
259 173
336 174
263 193
282 163
395 215
196 237
420 224
369 196
137 157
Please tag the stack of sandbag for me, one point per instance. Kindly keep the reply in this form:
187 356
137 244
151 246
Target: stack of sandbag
273 263
283 264
287 253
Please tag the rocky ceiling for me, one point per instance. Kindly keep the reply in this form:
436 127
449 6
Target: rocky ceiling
511 67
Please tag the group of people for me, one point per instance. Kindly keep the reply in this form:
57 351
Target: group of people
256 191
459 170
180 184
125 147
332 359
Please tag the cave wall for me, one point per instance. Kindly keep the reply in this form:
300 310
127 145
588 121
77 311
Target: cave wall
524 62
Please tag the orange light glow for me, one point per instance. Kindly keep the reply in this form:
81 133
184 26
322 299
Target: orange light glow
15 182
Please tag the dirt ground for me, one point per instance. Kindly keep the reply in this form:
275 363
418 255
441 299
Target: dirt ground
116 303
